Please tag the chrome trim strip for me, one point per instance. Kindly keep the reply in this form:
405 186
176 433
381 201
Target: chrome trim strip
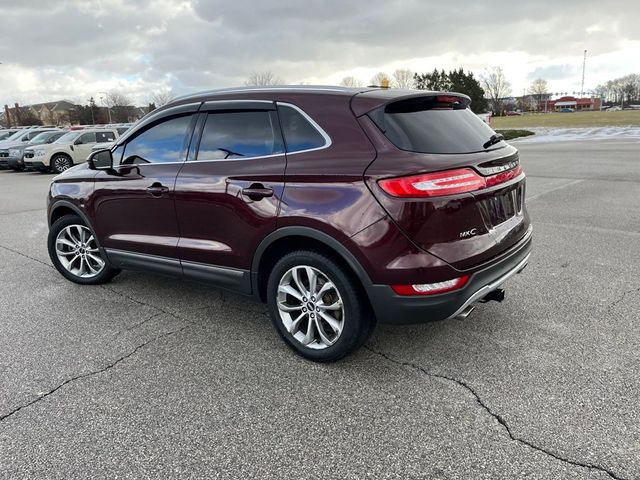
483 291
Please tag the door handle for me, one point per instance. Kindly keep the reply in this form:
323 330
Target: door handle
157 190
257 191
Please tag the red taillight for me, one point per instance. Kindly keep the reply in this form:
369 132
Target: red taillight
436 184
449 182
431 288
503 177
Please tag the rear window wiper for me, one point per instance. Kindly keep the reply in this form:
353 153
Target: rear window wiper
495 138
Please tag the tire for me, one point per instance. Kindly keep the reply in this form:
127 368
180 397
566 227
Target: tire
291 315
74 252
60 163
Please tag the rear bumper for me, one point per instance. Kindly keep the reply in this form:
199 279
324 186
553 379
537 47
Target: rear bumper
397 309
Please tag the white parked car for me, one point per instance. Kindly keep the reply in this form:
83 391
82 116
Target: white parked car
70 149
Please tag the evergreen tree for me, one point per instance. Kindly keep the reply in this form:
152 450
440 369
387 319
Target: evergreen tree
455 81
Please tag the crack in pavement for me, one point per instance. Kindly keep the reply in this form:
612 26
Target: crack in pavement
26 256
495 415
92 373
620 299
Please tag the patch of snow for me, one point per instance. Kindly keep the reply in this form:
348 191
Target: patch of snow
545 135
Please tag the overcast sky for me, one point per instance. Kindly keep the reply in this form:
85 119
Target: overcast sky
75 49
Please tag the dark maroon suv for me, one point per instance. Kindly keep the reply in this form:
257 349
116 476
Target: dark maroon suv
337 207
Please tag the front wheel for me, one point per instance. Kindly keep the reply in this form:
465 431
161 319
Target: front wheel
317 306
60 163
74 252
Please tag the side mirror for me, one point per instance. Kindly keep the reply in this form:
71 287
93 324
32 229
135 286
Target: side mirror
78 142
101 160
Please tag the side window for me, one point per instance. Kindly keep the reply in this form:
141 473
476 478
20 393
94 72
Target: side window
299 133
162 143
239 134
103 137
87 138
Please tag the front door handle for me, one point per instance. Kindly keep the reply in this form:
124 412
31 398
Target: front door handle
257 191
157 190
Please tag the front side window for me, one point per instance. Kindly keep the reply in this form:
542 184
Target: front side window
162 143
89 137
299 133
238 135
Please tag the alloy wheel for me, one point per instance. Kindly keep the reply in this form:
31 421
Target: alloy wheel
78 252
310 307
61 164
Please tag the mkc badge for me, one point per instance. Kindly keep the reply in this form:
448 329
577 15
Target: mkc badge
469 233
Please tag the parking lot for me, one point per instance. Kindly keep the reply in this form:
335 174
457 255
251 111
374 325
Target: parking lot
153 377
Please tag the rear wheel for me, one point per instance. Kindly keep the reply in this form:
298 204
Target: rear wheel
74 252
317 306
60 163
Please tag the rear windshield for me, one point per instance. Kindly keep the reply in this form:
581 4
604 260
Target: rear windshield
433 125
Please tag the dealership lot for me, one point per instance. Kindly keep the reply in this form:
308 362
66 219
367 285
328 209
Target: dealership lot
152 377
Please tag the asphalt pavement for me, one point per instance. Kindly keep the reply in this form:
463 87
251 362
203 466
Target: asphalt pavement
152 377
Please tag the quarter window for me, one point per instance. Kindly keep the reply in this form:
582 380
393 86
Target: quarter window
239 134
299 133
162 143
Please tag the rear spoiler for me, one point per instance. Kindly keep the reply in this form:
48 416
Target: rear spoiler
364 102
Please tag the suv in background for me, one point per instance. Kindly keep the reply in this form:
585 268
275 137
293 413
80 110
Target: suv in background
338 207
15 159
20 138
68 150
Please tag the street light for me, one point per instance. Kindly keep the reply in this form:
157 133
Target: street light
104 102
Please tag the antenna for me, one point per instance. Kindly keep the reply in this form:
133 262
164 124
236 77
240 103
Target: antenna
584 63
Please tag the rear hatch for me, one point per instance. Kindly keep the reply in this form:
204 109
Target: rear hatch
454 188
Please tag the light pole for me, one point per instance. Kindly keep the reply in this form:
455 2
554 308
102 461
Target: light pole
104 102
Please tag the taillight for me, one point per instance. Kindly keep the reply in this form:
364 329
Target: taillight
449 182
431 288
436 184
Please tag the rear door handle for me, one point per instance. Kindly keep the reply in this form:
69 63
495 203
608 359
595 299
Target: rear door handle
257 191
157 190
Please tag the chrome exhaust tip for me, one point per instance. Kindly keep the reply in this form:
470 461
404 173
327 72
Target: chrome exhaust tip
465 313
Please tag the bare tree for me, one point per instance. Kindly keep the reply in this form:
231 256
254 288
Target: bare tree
350 82
114 98
161 97
496 87
539 89
403 78
118 106
381 79
261 79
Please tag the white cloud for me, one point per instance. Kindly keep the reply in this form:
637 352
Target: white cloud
77 48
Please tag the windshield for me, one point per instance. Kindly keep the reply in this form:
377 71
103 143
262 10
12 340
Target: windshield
4 135
17 135
43 137
68 137
433 125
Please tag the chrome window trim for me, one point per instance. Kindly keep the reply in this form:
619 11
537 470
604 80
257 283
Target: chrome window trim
314 124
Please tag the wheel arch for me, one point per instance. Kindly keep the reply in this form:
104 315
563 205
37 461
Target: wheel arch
64 207
288 239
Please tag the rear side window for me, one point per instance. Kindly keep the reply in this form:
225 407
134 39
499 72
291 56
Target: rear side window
103 137
239 134
299 134
430 125
162 143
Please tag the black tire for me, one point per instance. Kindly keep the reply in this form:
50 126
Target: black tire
104 275
357 321
60 162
